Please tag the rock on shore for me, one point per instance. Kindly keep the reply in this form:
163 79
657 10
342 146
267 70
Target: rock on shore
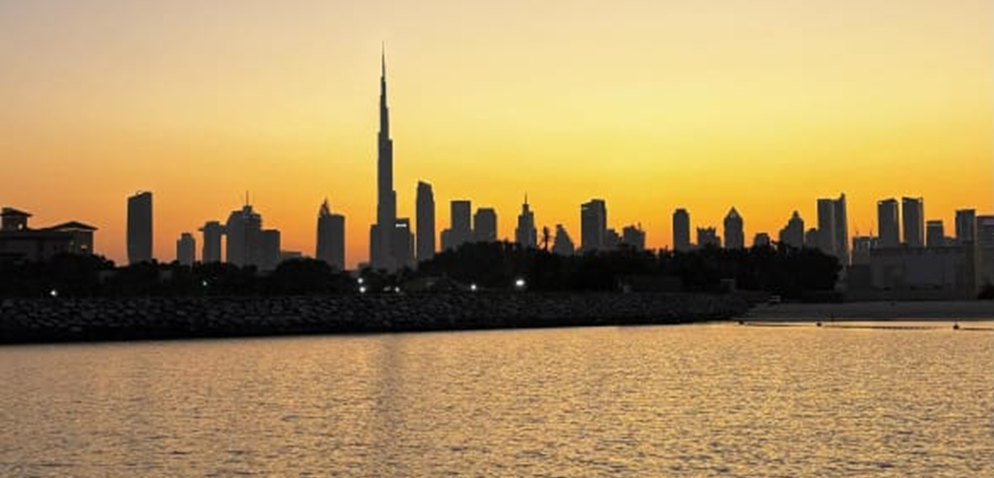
68 320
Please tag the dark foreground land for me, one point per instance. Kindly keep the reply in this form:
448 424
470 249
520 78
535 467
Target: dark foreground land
76 320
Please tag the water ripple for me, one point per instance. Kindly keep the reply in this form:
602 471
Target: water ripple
693 401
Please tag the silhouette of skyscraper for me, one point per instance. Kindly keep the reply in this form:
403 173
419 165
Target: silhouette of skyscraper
269 250
384 231
402 243
826 226
734 230
634 237
833 229
888 224
186 249
426 222
984 255
485 225
562 244
913 215
681 230
708 237
792 234
212 230
841 229
140 228
244 237
331 237
966 226
525 234
593 225
460 229
935 234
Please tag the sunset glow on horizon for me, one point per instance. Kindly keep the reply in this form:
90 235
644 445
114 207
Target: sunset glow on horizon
764 105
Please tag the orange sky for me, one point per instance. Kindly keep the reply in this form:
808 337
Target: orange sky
761 104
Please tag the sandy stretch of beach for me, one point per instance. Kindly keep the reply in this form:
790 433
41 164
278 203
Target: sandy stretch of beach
898 311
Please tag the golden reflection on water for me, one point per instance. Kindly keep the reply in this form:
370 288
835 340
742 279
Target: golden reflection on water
714 400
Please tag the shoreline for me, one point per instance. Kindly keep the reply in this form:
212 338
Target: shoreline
103 320
915 311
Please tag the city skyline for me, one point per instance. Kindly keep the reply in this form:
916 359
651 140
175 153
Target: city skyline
636 134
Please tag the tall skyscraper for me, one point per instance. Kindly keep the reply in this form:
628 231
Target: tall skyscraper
966 226
425 219
382 233
562 244
913 215
826 226
402 243
186 249
331 237
634 237
984 259
485 225
841 229
833 228
792 235
888 231
734 230
244 234
269 250
525 234
593 225
213 231
681 230
708 237
935 234
460 229
140 228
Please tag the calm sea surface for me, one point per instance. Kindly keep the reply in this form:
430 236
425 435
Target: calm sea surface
709 400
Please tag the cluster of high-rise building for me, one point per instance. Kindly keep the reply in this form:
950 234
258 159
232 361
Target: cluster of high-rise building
913 256
595 235
906 243
909 251
391 241
909 255
241 240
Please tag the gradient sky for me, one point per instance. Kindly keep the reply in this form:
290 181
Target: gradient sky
761 104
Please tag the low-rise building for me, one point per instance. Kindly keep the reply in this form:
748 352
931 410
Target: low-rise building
20 242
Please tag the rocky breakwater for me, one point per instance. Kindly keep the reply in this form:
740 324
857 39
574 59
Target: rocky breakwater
61 320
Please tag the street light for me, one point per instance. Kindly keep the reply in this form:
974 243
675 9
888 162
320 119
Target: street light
519 284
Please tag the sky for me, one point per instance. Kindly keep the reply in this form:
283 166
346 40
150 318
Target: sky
764 105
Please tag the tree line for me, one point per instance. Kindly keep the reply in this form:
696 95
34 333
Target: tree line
781 270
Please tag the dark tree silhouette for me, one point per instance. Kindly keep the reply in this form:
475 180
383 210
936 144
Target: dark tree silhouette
789 272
